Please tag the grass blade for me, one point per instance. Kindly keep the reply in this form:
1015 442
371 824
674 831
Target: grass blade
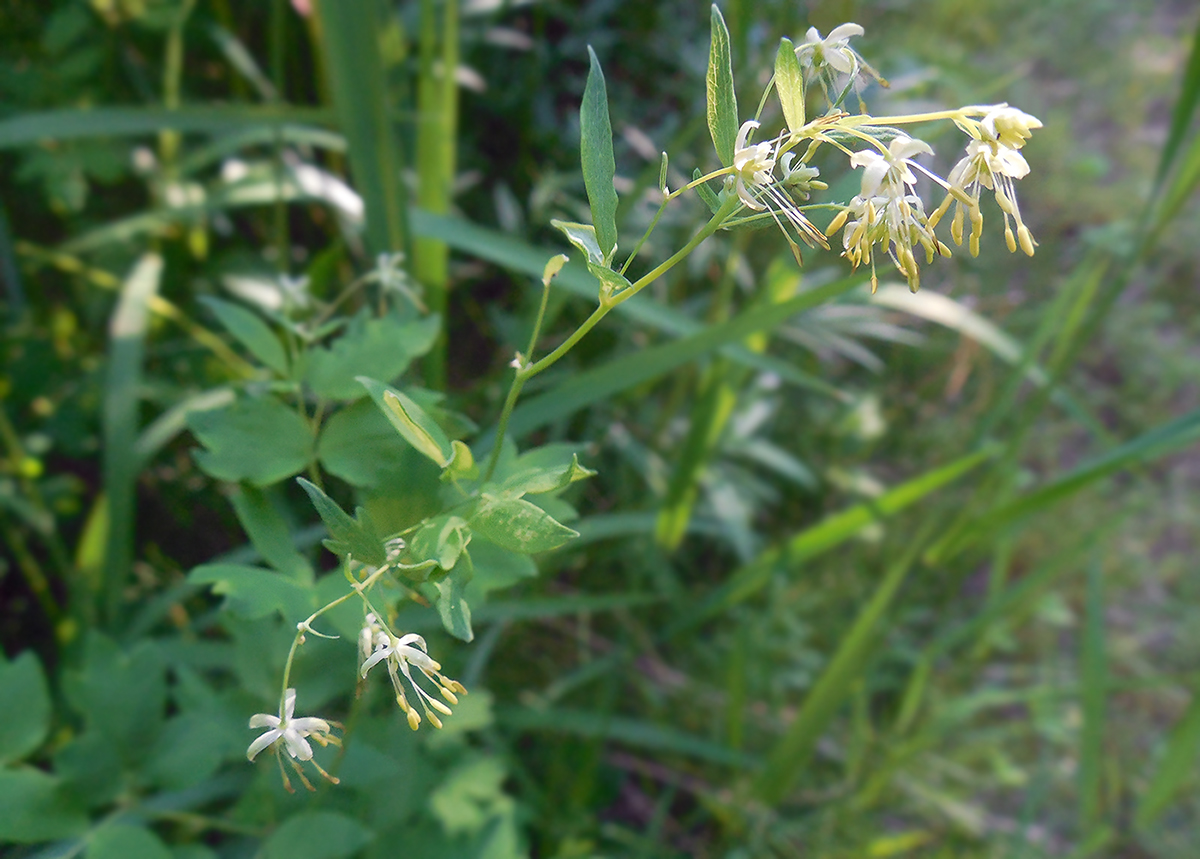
827 534
790 757
125 357
32 128
1175 767
1094 680
350 42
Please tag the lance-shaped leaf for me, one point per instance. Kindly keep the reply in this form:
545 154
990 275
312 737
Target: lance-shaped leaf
599 166
517 525
722 101
355 537
411 421
789 83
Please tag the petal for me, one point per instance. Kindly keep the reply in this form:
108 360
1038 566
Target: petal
264 720
840 59
813 36
262 742
906 147
297 746
873 176
374 659
740 143
309 725
289 704
747 200
844 32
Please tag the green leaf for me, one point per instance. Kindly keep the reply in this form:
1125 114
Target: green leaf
360 446
411 421
536 472
33 808
706 193
441 539
583 237
355 537
253 592
251 331
451 606
259 440
789 83
599 166
495 569
383 347
519 526
123 841
722 101
269 533
471 795
193 745
462 463
317 835
121 693
23 727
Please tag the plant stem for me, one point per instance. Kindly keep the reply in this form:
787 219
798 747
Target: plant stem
607 303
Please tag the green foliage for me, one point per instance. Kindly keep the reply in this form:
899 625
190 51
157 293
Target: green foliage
759 565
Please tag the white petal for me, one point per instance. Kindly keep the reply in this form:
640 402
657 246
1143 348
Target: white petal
375 658
907 147
289 704
297 746
742 134
262 742
264 720
843 33
309 725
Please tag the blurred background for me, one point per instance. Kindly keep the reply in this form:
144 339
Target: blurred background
903 575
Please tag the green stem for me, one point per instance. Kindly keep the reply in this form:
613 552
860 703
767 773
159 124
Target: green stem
607 303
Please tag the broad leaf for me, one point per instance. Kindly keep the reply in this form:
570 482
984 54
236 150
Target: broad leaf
251 331
258 440
360 446
316 835
599 166
355 537
519 526
452 607
269 533
24 726
33 808
253 592
441 539
123 841
381 347
534 473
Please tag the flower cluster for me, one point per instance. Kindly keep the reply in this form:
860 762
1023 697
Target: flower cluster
377 644
888 212
291 734
993 161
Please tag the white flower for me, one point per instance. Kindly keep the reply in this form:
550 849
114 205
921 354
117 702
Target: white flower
834 50
756 186
400 654
288 732
992 161
752 165
888 172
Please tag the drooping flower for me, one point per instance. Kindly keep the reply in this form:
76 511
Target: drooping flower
401 654
753 164
887 212
286 732
833 50
758 189
992 161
